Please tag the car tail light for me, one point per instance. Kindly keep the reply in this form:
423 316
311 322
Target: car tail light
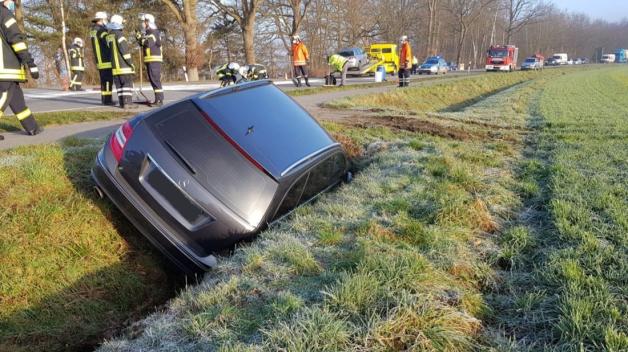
119 139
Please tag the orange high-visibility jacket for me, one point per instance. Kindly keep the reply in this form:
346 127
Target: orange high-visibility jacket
405 58
300 55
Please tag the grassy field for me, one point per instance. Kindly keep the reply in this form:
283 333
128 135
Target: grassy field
10 123
491 222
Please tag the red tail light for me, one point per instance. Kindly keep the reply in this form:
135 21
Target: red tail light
119 139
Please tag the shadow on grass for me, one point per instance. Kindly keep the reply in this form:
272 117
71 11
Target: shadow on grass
102 303
7 127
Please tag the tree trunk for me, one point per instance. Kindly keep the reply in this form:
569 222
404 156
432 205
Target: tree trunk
248 37
191 52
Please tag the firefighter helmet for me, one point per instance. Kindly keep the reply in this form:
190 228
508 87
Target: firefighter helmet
100 15
117 19
234 66
148 17
78 42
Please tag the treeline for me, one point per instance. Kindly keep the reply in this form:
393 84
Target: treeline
200 34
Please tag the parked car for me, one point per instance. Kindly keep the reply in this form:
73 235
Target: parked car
357 58
434 65
201 174
452 66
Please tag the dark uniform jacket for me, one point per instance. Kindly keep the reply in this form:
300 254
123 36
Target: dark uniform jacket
120 55
76 58
102 52
151 42
13 50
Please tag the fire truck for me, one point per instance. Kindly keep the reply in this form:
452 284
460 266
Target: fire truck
502 58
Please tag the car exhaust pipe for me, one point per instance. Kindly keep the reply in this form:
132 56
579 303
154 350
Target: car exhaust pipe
99 192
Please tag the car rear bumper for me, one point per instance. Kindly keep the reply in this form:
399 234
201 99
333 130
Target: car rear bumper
150 227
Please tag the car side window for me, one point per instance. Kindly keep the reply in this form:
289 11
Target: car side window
292 198
323 175
315 181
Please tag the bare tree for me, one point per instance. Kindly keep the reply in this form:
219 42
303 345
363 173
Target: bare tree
520 13
288 16
244 13
465 13
186 13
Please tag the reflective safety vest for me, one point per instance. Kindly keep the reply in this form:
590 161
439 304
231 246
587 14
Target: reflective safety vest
337 62
121 63
76 58
300 55
151 42
224 71
405 56
13 49
102 52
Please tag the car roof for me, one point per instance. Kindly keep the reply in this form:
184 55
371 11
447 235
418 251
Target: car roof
267 124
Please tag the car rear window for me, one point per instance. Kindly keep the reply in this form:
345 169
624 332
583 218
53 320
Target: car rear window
268 124
214 162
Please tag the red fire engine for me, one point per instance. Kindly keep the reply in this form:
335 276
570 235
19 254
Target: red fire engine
502 58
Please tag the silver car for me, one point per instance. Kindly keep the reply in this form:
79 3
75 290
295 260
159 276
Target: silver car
357 58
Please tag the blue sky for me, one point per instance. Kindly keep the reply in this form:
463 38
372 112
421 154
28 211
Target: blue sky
610 10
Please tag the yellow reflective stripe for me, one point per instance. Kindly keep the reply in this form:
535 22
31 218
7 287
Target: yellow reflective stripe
17 47
3 100
24 114
77 68
104 34
10 22
158 90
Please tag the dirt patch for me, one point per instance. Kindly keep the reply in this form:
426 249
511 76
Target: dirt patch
412 125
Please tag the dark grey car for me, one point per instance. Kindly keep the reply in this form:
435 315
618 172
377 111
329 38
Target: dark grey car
205 172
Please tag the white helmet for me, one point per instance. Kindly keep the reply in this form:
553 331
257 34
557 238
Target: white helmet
234 66
78 42
117 19
404 38
100 15
148 17
296 38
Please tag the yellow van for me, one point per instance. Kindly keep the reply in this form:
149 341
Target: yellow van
383 54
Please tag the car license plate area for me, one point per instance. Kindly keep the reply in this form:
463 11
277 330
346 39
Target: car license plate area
172 197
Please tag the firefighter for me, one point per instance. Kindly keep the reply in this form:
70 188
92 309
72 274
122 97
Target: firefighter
405 62
150 41
102 56
255 72
121 64
15 57
228 73
337 63
300 58
77 65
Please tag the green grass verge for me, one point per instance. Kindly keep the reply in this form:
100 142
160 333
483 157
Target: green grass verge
10 123
71 270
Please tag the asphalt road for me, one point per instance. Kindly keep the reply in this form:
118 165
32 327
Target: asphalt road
49 100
